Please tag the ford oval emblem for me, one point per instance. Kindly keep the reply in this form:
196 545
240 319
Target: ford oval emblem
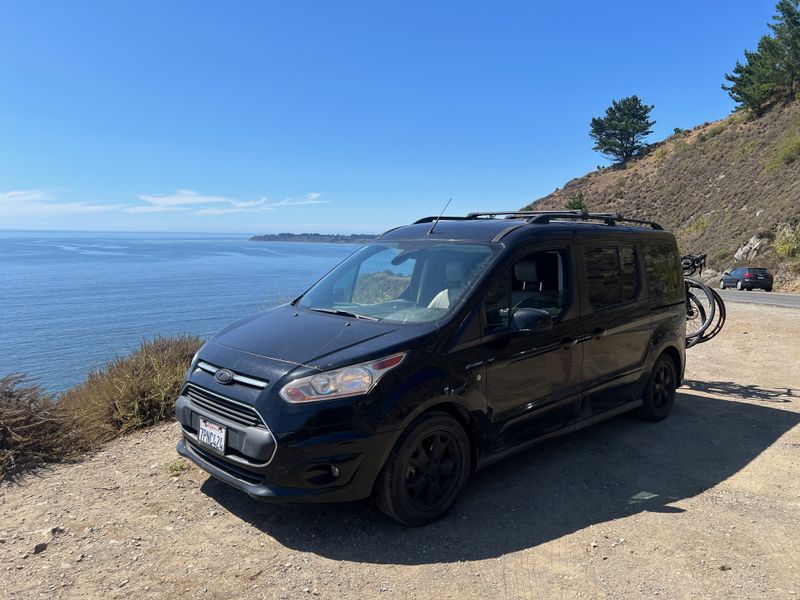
224 376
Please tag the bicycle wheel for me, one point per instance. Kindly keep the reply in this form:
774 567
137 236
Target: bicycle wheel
695 316
699 294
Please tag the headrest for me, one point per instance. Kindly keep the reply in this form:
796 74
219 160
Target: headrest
453 271
525 270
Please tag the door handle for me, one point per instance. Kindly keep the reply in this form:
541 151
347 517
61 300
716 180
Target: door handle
568 342
599 332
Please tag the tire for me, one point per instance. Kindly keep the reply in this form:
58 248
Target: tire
659 395
722 284
739 285
415 487
767 289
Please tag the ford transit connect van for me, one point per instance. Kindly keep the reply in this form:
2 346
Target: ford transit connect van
435 350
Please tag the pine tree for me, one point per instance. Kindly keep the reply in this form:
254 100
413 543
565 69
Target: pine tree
771 72
756 83
619 135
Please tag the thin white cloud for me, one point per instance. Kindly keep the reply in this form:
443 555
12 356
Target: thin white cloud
213 206
184 198
39 203
312 198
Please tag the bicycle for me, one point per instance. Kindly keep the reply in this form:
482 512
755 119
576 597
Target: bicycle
705 310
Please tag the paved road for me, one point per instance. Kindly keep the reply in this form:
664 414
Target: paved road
759 297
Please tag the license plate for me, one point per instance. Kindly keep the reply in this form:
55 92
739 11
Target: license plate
212 435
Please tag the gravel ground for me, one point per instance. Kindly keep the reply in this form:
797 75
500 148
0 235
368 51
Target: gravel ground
703 505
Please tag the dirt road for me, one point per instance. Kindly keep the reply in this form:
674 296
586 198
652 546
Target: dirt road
703 505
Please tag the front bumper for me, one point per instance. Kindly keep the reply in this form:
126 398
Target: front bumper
321 466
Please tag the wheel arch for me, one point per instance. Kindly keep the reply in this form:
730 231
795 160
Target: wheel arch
673 353
460 413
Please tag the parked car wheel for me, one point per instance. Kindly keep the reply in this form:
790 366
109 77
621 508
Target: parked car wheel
426 471
659 395
739 285
769 289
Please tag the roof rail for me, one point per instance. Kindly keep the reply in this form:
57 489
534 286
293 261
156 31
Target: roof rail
433 218
542 217
507 214
608 218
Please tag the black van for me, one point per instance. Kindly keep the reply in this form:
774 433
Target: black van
435 350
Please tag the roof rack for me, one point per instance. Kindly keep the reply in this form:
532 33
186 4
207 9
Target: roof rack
542 217
506 214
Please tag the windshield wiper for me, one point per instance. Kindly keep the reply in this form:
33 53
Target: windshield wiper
344 313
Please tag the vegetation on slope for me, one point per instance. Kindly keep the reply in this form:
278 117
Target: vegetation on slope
129 393
716 187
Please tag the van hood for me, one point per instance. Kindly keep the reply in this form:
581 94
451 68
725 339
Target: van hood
308 338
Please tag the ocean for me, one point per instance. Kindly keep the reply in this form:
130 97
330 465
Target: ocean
71 301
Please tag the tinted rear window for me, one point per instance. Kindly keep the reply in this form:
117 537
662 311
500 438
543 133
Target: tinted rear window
664 274
758 271
611 274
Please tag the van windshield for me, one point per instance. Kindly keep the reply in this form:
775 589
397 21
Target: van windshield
401 282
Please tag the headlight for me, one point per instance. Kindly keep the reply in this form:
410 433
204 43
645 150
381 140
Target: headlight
340 383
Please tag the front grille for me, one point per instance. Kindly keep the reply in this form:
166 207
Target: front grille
228 409
224 465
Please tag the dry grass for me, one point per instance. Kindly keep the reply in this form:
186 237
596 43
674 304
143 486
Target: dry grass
31 427
129 393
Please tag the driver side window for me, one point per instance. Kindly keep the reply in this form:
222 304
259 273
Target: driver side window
379 280
537 280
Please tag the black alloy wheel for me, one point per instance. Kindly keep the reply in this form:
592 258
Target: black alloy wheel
660 393
426 471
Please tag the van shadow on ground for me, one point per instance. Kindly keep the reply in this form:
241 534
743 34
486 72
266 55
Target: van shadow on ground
750 392
612 470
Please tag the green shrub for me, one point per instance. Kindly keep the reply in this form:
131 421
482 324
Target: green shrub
787 242
683 148
130 392
713 132
697 226
576 202
788 150
32 430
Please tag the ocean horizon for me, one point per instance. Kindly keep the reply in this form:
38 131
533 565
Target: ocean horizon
70 301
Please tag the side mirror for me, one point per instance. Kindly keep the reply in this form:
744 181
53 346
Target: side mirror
726 273
531 319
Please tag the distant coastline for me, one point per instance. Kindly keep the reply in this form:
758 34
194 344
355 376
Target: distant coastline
319 238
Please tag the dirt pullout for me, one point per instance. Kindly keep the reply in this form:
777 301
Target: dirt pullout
703 505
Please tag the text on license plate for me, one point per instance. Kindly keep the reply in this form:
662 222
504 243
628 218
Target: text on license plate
213 435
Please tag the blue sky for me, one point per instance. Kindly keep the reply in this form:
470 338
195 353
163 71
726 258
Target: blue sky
332 116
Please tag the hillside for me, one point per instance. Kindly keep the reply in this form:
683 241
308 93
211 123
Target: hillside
726 188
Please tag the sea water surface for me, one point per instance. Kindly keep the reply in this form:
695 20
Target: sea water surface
71 301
